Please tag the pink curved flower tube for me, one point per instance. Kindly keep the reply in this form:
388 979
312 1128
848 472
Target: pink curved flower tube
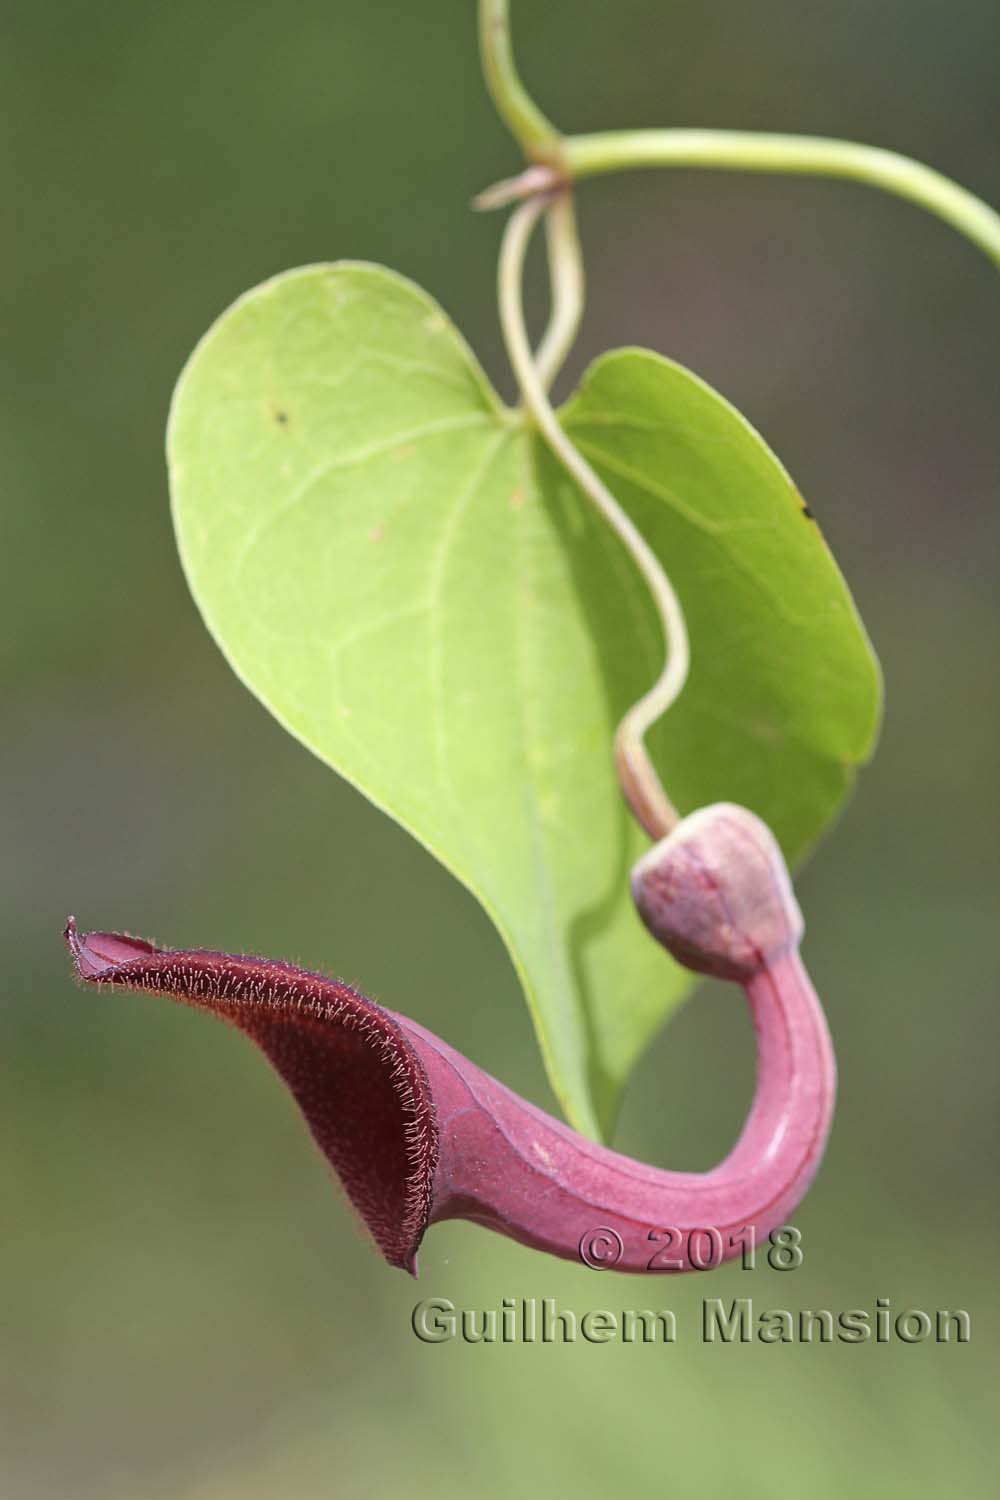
418 1134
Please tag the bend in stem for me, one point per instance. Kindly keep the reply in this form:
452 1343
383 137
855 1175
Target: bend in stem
537 136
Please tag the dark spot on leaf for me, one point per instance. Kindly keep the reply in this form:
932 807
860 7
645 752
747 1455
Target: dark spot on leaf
805 509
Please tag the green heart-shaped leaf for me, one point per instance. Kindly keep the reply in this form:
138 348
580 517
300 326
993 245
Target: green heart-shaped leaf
397 568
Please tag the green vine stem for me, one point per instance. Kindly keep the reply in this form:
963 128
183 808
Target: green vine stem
570 158
537 136
541 143
567 287
750 151
639 780
556 162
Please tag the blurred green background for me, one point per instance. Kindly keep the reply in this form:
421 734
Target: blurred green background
186 1307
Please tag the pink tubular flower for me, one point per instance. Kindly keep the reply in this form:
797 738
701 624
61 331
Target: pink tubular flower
418 1134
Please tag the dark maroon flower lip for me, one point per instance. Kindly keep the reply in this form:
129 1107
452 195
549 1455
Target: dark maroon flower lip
418 1134
357 1080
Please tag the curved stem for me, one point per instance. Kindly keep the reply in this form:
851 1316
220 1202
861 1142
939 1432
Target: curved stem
551 1189
751 151
537 136
640 782
567 288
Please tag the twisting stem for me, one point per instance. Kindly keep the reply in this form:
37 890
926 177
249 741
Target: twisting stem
566 281
750 151
542 144
536 135
640 783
